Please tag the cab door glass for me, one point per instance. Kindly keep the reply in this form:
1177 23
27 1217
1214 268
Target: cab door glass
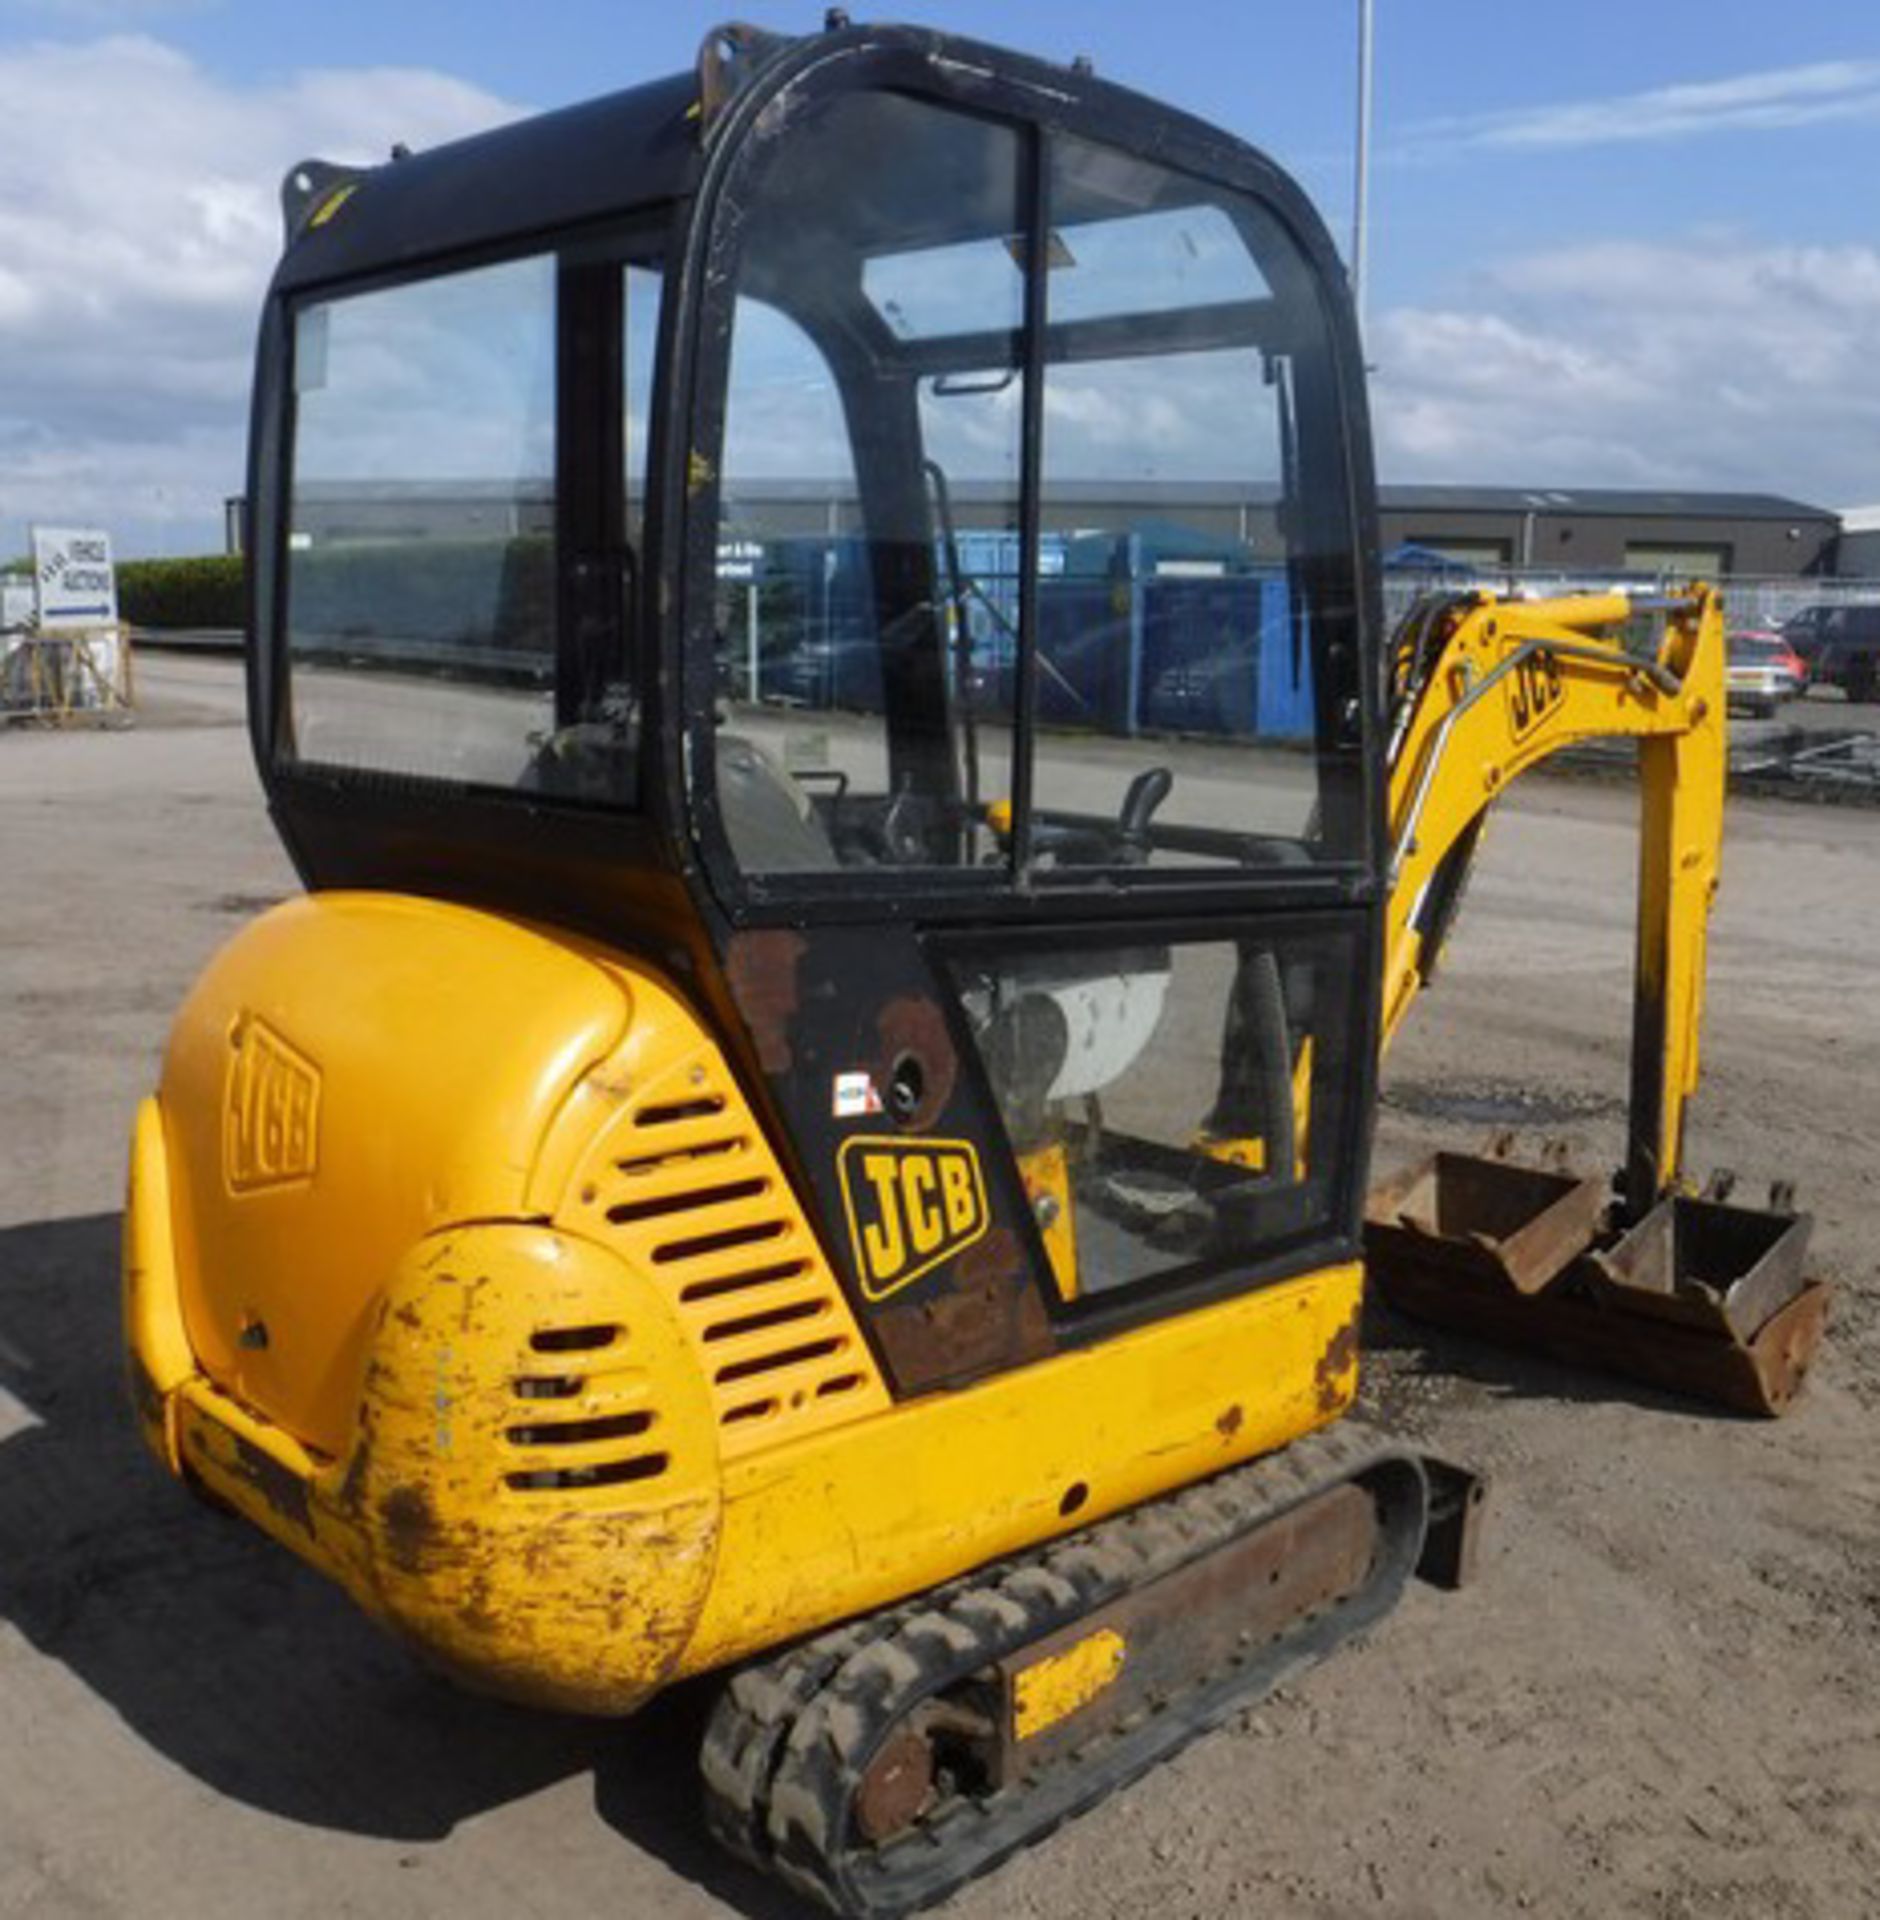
1171 1104
971 435
796 675
1178 719
865 630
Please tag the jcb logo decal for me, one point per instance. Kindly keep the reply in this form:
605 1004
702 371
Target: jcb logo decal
1535 689
911 1204
271 1116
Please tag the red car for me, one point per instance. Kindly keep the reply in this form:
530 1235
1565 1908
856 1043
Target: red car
1763 671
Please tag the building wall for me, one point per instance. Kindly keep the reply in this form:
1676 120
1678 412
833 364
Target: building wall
1548 541
1599 543
1857 554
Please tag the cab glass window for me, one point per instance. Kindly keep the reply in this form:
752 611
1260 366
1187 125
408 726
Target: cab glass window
421 548
448 615
1175 644
866 625
1170 1104
923 368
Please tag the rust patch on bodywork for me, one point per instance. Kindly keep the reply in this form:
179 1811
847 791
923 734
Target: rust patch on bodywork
285 1492
410 1527
1332 1375
761 969
914 1028
990 1319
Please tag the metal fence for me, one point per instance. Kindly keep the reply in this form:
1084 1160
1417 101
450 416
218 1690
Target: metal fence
1749 600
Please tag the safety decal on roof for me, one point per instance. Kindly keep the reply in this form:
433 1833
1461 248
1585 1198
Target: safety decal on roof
332 204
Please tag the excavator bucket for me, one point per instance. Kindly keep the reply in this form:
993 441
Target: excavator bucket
1510 1227
1697 1297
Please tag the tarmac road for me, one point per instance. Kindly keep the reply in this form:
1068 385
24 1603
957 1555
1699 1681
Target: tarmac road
1662 1699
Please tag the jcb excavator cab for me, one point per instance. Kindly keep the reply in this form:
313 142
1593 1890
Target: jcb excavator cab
815 645
889 557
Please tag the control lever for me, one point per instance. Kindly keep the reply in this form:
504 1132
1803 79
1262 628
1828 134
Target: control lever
1146 793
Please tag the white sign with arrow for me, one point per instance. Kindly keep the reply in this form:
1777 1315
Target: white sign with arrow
73 579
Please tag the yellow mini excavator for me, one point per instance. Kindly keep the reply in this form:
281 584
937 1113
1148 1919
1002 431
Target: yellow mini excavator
816 643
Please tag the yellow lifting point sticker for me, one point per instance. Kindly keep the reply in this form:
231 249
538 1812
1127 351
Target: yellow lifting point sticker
1053 1689
332 204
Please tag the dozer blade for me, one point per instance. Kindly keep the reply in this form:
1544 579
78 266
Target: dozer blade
1698 1298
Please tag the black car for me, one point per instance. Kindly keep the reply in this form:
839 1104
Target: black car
1841 645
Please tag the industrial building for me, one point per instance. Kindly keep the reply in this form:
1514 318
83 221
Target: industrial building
1858 551
1575 531
1613 530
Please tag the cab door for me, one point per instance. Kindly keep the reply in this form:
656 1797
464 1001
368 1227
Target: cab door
1028 714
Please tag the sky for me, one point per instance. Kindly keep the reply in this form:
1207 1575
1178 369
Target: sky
1610 244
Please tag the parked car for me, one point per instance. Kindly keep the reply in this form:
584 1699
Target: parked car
1792 663
1761 672
1840 645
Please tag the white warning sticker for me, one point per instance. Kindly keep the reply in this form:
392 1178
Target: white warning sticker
855 1094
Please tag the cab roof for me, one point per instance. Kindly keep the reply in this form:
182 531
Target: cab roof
543 174
639 148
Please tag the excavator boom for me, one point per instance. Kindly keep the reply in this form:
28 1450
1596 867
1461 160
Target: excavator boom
1693 1294
1489 688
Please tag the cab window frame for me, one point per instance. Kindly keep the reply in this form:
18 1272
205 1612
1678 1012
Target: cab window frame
1342 1123
939 894
649 235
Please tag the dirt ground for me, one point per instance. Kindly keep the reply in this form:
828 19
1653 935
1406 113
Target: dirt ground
1662 1698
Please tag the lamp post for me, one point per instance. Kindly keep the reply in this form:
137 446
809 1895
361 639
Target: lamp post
1362 193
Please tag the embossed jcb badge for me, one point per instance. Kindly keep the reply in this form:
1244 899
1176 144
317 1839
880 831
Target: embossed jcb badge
1535 688
911 1204
271 1115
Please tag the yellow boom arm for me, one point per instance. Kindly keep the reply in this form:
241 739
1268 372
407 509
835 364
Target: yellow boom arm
1486 688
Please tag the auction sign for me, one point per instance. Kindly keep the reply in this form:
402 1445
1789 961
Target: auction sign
73 579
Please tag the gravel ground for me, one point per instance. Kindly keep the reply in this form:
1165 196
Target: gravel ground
1662 1699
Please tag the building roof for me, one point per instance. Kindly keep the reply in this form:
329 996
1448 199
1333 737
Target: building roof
1626 502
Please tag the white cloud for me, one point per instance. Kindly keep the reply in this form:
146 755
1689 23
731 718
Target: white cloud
1627 364
1828 90
102 13
138 225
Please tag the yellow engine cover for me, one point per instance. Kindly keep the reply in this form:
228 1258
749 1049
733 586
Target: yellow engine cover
350 1074
457 1260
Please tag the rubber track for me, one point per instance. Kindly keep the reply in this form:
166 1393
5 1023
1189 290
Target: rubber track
793 1735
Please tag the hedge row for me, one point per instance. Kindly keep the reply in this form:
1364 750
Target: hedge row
481 593
470 592
203 592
